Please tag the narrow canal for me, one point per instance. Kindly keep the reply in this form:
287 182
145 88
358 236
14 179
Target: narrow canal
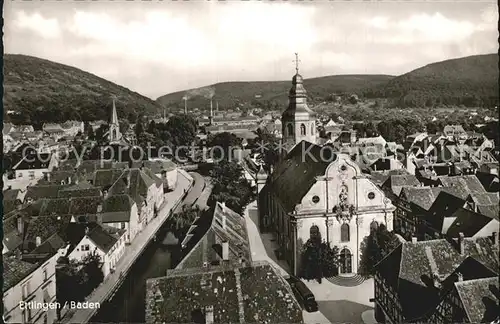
128 304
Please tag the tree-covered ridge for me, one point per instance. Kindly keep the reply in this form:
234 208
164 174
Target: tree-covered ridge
44 91
269 94
470 81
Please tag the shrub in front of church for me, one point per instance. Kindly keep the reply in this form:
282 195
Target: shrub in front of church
318 260
374 248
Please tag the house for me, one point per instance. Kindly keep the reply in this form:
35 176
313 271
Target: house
121 212
395 183
147 192
33 166
252 292
72 127
163 168
12 199
223 241
105 241
473 224
439 274
28 281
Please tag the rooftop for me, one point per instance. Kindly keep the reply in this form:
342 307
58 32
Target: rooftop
15 270
254 293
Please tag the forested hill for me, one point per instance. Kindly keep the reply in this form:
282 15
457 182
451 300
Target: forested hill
45 91
270 94
470 81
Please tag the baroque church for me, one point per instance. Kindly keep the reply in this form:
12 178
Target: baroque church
314 191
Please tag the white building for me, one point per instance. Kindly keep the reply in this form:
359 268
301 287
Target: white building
34 166
107 242
28 282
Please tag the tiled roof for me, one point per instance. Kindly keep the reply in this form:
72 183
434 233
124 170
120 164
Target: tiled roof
491 211
410 269
34 162
480 299
15 270
11 194
44 227
117 203
103 239
420 196
254 293
43 191
157 166
467 222
205 244
294 176
467 183
106 178
69 206
396 182
485 198
137 189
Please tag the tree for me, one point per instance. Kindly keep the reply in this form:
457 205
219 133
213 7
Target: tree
375 247
124 125
180 222
100 134
319 260
267 146
139 126
227 142
91 267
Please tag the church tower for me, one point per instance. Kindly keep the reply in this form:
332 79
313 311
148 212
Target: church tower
114 134
298 120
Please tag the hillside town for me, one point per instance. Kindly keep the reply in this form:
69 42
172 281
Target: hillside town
321 224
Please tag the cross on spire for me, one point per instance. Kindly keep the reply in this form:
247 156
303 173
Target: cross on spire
296 61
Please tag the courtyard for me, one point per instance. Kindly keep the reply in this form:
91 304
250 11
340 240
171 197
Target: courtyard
337 304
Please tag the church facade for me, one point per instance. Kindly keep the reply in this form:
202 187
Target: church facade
315 191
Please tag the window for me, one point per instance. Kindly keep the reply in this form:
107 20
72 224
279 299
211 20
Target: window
289 129
302 129
371 195
315 199
312 129
85 247
314 232
45 274
344 233
26 289
373 226
123 225
343 168
31 175
20 175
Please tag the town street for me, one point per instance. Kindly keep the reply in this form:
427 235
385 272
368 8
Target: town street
132 251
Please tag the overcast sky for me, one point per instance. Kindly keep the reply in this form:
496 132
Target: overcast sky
158 48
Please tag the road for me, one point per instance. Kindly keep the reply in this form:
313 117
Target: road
196 190
133 250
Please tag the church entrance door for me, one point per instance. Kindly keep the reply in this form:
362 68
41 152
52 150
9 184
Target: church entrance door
345 261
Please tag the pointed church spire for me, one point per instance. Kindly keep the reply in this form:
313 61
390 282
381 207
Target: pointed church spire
114 115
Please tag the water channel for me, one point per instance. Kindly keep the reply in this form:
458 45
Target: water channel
128 304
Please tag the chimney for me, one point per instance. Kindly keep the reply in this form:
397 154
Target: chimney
460 277
128 180
87 230
20 225
211 108
495 238
217 105
47 176
414 239
185 106
209 315
69 180
461 243
225 250
38 241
